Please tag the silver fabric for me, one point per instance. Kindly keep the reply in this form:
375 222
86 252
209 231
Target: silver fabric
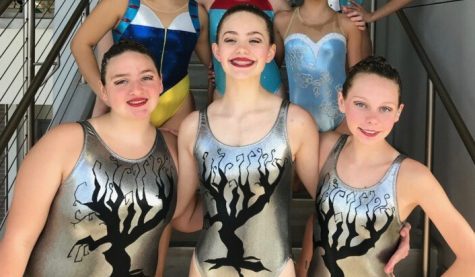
246 192
357 229
107 217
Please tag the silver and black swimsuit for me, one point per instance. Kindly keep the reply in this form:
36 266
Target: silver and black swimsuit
246 192
107 217
357 229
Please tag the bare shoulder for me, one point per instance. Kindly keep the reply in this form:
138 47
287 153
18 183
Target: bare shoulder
282 19
206 3
279 5
68 132
415 176
117 7
346 24
188 131
299 118
203 14
190 122
61 145
327 142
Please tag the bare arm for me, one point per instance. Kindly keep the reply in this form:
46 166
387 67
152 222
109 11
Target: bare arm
418 187
202 48
306 254
356 46
303 137
102 19
188 214
387 9
281 21
163 250
36 185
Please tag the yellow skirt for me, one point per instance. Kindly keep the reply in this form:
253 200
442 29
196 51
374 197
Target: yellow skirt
170 102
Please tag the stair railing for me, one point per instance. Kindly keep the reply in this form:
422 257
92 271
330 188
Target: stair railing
19 116
435 85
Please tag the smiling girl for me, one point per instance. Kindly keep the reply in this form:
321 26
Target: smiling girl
93 198
367 188
244 169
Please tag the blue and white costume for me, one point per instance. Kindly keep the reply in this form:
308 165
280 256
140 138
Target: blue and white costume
171 47
316 72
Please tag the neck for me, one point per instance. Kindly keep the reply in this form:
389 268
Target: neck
314 11
364 153
242 95
129 129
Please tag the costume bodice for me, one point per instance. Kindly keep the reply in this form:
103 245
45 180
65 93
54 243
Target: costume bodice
357 229
107 217
246 192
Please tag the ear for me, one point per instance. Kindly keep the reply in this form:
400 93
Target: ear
215 49
103 94
341 102
160 89
398 113
271 53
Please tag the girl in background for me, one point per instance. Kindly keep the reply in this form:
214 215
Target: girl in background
319 45
171 30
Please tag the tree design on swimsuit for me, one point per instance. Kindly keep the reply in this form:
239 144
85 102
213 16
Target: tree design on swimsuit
117 209
229 214
338 244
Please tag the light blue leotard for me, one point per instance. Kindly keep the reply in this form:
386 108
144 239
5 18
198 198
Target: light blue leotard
316 72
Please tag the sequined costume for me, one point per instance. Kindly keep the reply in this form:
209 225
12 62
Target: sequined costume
107 217
357 229
246 193
171 47
270 77
316 72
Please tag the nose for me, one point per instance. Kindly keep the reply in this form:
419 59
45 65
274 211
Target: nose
372 118
242 48
136 88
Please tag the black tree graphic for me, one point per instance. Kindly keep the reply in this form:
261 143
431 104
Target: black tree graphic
334 251
108 197
241 192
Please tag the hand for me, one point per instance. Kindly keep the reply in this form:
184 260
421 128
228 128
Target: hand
402 249
357 14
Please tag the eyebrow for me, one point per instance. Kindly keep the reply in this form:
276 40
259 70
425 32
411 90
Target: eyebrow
365 99
249 33
126 74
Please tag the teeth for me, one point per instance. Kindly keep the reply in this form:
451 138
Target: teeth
138 101
241 62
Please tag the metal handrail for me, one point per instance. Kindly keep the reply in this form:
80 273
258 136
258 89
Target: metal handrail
4 5
37 81
439 87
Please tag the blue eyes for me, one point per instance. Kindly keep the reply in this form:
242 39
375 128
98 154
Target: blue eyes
386 109
362 105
